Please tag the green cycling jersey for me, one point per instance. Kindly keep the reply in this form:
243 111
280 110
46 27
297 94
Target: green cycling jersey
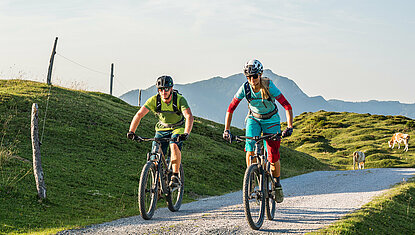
167 116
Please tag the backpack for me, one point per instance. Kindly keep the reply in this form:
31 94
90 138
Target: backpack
248 96
174 104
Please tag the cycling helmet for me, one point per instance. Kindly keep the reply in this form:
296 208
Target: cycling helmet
164 81
253 67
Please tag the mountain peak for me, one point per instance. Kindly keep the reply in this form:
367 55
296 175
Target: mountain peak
210 99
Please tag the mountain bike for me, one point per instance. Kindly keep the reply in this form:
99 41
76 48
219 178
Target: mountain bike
155 180
258 186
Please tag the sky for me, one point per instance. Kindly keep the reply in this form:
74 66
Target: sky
355 50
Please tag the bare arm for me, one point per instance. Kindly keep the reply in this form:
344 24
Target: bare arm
288 109
137 118
229 113
187 113
289 114
228 120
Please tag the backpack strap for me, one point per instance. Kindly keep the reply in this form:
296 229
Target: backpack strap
174 104
175 108
248 94
158 103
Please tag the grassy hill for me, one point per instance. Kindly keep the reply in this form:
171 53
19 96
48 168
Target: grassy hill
332 138
390 213
91 168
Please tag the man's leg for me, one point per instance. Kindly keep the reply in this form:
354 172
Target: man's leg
176 157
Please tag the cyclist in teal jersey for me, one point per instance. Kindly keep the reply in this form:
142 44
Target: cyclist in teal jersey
175 121
263 117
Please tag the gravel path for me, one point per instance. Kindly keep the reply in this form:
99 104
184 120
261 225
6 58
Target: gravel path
312 201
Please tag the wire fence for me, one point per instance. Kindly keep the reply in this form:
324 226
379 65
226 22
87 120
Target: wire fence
79 76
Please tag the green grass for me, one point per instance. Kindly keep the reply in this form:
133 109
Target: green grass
391 213
91 168
332 137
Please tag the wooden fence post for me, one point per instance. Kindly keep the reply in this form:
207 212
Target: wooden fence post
52 57
139 97
37 165
111 78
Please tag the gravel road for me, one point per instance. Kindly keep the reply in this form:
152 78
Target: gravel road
312 201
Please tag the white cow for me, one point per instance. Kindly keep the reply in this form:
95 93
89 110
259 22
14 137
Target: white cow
399 138
359 160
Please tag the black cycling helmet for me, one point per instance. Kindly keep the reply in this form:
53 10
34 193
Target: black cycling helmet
253 67
164 81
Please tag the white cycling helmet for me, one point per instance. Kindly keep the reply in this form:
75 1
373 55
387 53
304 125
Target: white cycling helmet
253 67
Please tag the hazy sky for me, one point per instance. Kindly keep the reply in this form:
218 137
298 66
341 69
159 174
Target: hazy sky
354 50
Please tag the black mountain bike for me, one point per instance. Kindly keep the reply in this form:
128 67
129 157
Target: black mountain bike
155 179
258 186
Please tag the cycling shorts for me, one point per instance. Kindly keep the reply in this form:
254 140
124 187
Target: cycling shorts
168 134
256 126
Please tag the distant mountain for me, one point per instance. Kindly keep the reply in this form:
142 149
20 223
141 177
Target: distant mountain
210 99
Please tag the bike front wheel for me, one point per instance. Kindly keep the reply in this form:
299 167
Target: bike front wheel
254 197
148 190
269 200
175 197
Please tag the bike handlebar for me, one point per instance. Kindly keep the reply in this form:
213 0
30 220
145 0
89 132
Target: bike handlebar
139 139
257 138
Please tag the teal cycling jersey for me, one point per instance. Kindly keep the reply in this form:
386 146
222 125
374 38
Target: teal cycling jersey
259 105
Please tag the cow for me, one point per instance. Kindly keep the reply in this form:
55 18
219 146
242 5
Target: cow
359 160
399 138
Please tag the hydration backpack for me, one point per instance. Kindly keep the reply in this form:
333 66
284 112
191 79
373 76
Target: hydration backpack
248 96
174 104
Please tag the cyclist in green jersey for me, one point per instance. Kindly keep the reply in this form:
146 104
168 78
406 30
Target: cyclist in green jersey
175 121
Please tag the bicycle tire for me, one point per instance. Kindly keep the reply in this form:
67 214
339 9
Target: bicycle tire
253 196
269 200
175 197
148 191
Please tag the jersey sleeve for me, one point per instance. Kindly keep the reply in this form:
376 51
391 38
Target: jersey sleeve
240 94
150 104
273 90
183 104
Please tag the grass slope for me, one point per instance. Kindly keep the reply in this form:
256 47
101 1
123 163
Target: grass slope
332 137
391 213
91 168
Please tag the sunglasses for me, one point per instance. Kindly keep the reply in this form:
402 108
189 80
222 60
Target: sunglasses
164 89
255 76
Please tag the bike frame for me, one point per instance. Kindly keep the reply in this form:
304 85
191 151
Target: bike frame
260 196
262 160
160 159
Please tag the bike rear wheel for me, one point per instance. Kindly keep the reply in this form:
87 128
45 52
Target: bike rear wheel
148 190
269 200
174 199
253 196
